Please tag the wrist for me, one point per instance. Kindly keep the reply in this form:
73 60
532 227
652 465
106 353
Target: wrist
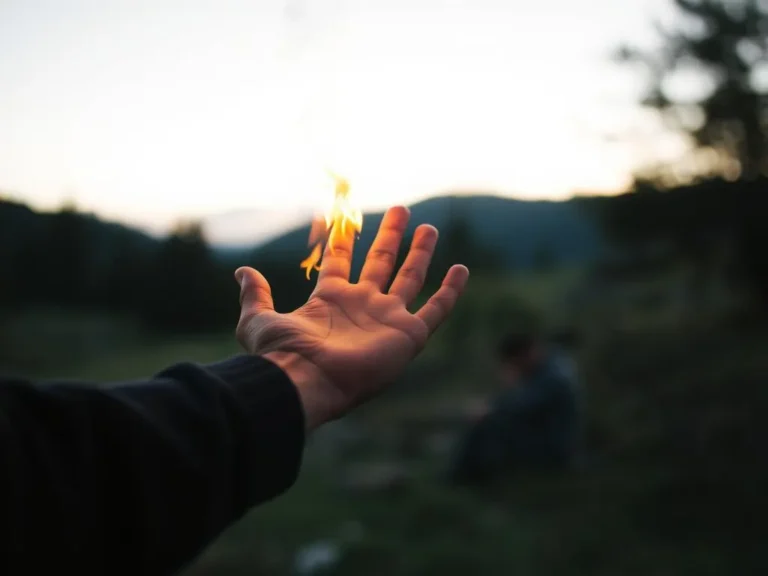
313 388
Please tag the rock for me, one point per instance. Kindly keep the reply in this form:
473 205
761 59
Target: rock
316 558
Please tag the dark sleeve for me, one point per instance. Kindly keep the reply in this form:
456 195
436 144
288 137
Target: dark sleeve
137 478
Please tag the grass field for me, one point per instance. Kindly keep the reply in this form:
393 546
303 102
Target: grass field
586 523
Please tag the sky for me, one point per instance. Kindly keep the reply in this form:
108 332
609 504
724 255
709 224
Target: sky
148 111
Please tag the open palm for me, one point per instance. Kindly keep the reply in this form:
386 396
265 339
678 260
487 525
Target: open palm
349 341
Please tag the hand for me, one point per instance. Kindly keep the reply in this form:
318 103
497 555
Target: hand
349 341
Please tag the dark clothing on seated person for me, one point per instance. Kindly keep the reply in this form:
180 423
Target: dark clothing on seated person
533 426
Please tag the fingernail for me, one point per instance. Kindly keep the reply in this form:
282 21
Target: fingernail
239 276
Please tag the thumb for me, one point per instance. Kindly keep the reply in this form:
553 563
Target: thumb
255 292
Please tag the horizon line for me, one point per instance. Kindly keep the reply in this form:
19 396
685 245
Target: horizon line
160 232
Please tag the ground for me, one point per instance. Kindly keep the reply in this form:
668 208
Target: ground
370 499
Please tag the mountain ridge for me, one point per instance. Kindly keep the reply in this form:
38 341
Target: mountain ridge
520 230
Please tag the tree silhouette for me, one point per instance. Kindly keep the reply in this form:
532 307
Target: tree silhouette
723 45
72 260
64 252
126 278
185 281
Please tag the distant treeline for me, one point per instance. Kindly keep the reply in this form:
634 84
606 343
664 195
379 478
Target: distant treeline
74 260
715 227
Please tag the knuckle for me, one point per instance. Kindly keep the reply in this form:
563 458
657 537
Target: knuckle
241 331
421 334
422 246
412 273
396 230
384 256
263 295
244 331
442 303
341 251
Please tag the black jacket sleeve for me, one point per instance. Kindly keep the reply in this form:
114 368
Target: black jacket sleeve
138 477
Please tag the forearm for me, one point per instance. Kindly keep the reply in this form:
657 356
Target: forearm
147 472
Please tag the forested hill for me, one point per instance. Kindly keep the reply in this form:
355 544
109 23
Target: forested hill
521 232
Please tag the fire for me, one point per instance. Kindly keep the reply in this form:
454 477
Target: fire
341 221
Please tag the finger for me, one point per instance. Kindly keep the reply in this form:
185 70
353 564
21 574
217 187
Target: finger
255 292
439 306
337 256
412 274
380 260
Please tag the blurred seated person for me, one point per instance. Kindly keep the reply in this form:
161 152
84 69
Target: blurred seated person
531 423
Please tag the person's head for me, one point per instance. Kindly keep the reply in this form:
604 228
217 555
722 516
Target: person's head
517 353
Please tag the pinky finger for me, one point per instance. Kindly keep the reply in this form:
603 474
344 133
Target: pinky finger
439 306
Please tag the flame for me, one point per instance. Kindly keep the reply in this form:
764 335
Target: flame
342 221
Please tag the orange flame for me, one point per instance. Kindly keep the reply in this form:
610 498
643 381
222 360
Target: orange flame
342 220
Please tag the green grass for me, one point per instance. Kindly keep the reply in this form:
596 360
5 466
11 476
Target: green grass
52 343
142 360
582 525
531 527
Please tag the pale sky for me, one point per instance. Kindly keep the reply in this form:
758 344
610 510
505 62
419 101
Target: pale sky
150 110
